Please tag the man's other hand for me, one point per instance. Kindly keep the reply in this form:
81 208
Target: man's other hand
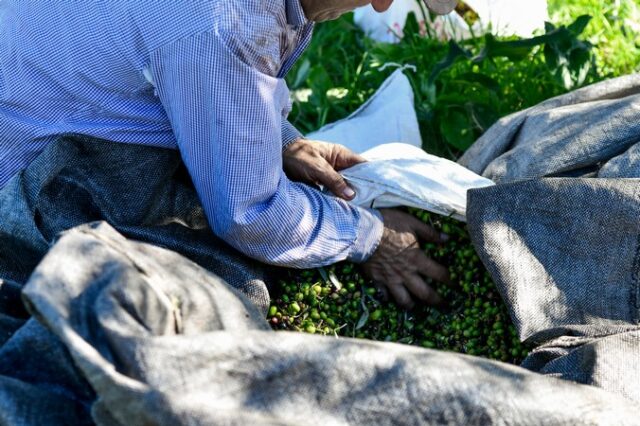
399 266
318 163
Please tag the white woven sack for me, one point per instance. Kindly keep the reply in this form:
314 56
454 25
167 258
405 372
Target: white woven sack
398 174
388 116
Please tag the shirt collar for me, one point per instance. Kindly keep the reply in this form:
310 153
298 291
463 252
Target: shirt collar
295 13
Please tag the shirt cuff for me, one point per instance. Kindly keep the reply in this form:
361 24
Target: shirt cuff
289 134
368 235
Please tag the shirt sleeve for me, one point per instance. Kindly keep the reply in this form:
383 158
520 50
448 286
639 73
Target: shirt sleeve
227 119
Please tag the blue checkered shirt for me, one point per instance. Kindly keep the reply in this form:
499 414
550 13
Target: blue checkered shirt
205 77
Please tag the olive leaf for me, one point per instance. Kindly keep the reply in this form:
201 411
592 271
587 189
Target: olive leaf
365 312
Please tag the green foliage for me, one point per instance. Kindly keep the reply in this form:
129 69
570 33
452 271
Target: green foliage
461 88
568 57
331 80
503 76
614 31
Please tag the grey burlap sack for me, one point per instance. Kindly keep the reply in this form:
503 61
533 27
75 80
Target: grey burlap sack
162 341
142 191
565 252
146 194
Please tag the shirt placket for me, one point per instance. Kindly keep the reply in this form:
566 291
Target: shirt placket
296 46
298 36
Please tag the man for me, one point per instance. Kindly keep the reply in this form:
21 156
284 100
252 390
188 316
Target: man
205 77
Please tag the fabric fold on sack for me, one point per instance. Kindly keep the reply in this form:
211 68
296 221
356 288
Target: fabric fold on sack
399 174
565 255
142 191
560 232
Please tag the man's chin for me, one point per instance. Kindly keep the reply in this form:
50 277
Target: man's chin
381 5
329 16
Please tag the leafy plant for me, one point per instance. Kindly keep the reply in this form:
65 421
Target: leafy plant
614 31
474 93
568 57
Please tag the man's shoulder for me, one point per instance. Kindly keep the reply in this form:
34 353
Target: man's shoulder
157 23
254 31
162 22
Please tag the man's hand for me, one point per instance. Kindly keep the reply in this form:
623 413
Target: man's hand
318 163
399 266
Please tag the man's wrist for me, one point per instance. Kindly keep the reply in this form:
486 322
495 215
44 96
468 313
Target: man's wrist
368 235
293 146
289 135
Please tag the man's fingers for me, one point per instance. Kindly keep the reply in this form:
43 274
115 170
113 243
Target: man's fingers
426 232
383 293
346 158
421 290
351 160
431 269
328 177
400 295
